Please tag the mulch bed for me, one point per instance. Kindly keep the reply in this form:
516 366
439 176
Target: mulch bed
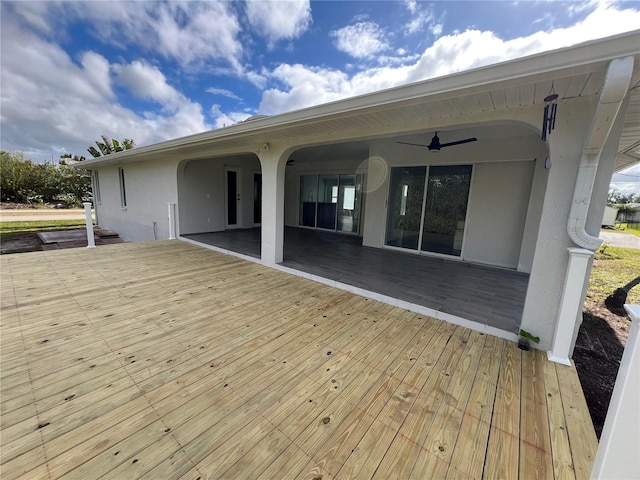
597 356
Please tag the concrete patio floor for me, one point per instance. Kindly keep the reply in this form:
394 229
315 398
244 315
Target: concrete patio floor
482 294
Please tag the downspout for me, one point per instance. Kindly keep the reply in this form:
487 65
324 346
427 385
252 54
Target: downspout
614 90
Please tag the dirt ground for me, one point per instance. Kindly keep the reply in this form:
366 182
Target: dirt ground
597 355
25 242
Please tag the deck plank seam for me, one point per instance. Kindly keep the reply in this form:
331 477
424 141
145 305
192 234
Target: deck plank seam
32 392
398 430
335 400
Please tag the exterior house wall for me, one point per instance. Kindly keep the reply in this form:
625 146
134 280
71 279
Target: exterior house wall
505 177
497 212
149 187
201 185
551 257
534 212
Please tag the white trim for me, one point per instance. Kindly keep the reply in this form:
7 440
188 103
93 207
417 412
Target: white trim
617 455
570 305
466 212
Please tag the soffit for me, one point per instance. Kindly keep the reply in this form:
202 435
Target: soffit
523 83
629 149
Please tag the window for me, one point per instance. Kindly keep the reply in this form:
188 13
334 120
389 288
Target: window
96 187
123 191
331 202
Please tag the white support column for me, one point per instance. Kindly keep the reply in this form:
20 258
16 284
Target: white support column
91 241
617 455
273 162
172 220
570 305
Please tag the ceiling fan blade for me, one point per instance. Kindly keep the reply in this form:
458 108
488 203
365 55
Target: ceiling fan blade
414 144
459 142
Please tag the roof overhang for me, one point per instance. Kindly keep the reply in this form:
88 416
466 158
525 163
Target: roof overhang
576 71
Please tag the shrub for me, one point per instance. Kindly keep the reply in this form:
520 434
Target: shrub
24 181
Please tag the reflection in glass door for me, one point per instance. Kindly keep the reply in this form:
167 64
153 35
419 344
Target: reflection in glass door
331 202
429 217
308 197
348 204
327 201
405 206
446 209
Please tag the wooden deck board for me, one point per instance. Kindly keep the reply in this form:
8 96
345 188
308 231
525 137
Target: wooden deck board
197 364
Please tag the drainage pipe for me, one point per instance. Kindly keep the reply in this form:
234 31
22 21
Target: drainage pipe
615 87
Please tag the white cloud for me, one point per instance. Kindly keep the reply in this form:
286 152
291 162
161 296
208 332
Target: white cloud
226 119
628 180
188 32
303 86
411 5
224 92
422 18
360 40
52 105
276 20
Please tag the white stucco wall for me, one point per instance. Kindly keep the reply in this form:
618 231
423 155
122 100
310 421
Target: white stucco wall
201 186
551 257
149 186
497 212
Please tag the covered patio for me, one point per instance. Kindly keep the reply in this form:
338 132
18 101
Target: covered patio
486 295
168 360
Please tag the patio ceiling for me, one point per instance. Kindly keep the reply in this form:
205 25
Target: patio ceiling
574 72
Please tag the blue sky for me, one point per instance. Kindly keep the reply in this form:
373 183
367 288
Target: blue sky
151 71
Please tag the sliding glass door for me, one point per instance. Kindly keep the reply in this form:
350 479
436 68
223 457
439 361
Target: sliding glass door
446 209
405 206
330 202
427 210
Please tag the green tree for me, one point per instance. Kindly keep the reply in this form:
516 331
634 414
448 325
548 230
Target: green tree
24 181
108 146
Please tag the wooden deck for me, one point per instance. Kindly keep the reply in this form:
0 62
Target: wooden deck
165 360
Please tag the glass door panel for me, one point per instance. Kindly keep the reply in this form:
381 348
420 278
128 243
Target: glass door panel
348 204
327 201
405 206
233 198
446 209
257 198
308 198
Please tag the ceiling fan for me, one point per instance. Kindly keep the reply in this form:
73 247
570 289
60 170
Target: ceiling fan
435 144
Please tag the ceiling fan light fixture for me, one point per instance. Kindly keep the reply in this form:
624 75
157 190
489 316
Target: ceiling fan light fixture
434 146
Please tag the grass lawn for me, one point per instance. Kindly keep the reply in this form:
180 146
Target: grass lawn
613 268
9 229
